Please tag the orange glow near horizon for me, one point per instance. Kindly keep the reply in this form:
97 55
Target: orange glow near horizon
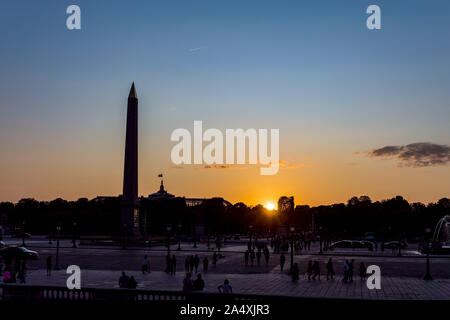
269 206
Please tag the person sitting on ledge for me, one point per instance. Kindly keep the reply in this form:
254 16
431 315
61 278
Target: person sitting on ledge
132 283
123 280
225 287
199 284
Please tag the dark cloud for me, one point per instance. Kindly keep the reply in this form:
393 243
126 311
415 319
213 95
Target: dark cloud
420 154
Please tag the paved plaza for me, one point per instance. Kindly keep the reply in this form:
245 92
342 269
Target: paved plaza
401 277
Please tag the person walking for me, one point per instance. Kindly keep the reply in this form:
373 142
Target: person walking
49 266
295 272
282 261
214 258
316 270
258 257
196 262
252 256
23 272
330 269
351 269
191 263
362 271
173 265
309 269
346 271
246 257
186 264
205 265
145 265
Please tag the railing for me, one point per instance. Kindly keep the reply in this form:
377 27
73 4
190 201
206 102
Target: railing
11 292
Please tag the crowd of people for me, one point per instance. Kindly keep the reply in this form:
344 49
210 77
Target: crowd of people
313 270
256 250
13 272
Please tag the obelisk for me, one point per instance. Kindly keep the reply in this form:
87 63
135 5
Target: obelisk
129 219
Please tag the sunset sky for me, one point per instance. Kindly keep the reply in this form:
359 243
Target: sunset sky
338 92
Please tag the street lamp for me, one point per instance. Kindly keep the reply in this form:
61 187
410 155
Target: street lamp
23 233
58 230
124 240
195 240
292 230
74 244
250 236
320 240
428 274
169 228
179 237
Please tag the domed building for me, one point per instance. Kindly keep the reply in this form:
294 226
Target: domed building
161 194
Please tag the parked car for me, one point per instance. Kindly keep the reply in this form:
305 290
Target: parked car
2 244
18 253
21 234
352 244
341 244
395 244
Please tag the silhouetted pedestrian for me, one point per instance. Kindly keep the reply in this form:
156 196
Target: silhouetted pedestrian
309 269
316 270
196 262
351 269
330 269
362 271
173 263
294 272
205 265
282 261
49 266
145 265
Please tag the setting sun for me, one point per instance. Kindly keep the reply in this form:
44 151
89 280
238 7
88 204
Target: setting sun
270 206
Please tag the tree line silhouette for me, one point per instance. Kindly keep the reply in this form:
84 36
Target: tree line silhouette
391 218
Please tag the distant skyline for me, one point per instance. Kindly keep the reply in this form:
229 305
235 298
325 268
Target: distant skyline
360 112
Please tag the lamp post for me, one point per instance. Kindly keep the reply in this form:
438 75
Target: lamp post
23 233
124 236
250 227
58 230
320 240
74 237
195 241
428 274
399 246
179 237
292 230
169 228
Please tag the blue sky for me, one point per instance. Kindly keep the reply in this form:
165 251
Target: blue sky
310 68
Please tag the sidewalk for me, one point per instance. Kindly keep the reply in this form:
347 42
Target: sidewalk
392 288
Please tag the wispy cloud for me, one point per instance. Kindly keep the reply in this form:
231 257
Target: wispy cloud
419 154
196 49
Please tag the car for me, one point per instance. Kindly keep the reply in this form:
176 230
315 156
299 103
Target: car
342 244
21 234
18 253
394 245
2 244
367 244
